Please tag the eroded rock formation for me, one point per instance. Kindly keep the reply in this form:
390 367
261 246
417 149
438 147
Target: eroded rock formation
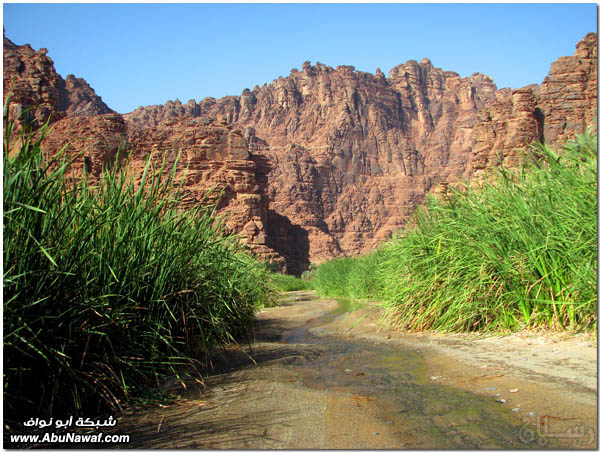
39 94
213 164
214 161
353 153
214 157
553 112
569 94
325 161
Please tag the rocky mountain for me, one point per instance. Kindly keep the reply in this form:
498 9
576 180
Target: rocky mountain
326 161
553 112
353 153
33 84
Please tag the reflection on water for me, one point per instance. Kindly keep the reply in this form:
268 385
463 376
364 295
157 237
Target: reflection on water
394 378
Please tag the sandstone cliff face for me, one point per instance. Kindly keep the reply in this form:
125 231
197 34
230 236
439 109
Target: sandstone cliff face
553 112
214 164
79 99
214 161
506 126
352 153
330 161
98 138
214 157
569 95
32 82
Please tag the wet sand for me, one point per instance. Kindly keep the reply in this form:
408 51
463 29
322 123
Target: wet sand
321 377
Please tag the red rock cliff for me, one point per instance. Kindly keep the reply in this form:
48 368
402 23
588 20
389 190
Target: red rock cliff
553 112
328 161
213 156
32 82
353 153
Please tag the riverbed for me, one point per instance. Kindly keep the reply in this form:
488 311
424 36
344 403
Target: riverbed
325 375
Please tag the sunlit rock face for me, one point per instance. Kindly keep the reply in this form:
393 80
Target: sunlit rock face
553 112
326 161
353 153
213 164
33 84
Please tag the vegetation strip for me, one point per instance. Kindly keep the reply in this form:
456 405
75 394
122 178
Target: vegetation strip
517 252
110 287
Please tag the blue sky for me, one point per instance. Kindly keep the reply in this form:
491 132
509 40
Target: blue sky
144 54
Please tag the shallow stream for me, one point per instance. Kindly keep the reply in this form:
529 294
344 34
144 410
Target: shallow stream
393 379
301 387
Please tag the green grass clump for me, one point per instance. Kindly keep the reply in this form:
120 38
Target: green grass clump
289 283
349 278
518 252
110 288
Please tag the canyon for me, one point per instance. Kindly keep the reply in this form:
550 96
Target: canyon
321 163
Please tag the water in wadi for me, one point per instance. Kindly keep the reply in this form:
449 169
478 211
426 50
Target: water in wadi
424 414
299 388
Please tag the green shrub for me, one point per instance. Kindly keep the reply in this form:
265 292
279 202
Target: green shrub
110 288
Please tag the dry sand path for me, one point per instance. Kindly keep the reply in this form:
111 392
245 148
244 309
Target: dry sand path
320 377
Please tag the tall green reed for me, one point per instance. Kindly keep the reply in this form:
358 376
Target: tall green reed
519 251
288 283
350 278
109 287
